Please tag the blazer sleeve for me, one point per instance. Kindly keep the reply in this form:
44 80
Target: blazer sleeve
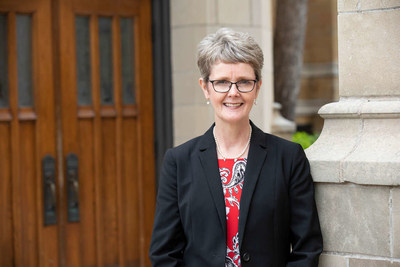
305 232
168 239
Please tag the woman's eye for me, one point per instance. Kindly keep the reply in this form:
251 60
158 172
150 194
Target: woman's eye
222 82
244 82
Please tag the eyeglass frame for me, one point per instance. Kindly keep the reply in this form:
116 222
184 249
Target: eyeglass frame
232 83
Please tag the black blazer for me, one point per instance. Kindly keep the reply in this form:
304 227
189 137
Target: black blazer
278 220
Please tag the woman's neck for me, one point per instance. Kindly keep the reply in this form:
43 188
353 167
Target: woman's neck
232 137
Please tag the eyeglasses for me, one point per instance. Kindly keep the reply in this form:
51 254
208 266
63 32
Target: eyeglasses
243 86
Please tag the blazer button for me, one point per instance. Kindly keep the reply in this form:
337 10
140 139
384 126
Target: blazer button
246 257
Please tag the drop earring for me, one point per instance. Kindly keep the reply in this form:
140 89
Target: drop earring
208 102
255 102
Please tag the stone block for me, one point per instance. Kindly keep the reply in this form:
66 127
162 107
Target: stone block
257 12
184 47
262 13
234 12
328 260
191 121
369 53
355 219
373 263
363 5
396 221
187 90
267 47
376 158
193 12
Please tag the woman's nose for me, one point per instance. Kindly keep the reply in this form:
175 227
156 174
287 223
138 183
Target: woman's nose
234 90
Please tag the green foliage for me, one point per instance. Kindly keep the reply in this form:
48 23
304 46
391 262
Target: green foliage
304 139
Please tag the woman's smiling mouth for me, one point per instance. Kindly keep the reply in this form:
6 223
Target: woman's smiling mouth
233 104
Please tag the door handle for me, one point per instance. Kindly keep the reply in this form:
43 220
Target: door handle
49 190
72 187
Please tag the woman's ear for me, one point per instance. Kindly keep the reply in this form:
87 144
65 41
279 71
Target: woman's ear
204 87
258 87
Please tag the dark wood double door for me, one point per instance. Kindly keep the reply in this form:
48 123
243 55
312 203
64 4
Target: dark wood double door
76 133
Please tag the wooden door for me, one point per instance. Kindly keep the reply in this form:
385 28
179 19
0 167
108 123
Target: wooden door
84 100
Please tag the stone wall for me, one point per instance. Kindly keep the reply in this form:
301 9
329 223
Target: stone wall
356 160
192 20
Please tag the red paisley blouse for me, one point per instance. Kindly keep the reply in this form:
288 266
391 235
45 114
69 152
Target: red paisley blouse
232 177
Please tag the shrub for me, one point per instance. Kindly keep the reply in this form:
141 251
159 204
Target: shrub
304 139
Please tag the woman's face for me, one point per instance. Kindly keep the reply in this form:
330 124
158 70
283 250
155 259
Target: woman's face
232 106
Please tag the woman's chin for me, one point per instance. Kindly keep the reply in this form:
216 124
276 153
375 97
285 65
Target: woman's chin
234 119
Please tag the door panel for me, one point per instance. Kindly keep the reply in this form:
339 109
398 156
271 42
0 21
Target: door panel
108 194
27 133
6 227
130 201
28 198
87 189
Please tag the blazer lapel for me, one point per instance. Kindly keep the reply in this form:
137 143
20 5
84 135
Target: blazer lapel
255 161
209 163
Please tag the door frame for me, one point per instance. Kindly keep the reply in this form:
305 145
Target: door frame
162 80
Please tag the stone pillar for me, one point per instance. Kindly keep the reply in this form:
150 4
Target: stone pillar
356 161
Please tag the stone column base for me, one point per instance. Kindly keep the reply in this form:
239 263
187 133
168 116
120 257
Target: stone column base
359 143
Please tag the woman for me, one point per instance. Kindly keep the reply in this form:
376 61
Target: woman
235 196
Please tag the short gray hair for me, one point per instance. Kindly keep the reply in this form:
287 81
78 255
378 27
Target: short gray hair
229 46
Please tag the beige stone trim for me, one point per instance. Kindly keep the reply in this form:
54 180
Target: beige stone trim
360 143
